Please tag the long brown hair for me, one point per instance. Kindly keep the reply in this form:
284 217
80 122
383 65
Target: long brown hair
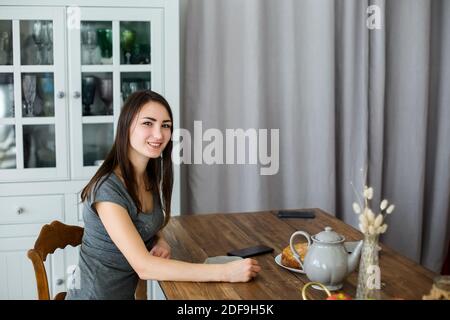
161 179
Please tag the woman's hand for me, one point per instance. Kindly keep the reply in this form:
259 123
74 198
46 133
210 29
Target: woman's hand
161 249
241 270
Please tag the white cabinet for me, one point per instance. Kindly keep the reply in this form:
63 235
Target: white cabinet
65 70
16 273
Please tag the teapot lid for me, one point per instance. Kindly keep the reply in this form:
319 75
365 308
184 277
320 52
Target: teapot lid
328 236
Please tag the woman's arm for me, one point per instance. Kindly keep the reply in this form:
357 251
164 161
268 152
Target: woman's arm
125 236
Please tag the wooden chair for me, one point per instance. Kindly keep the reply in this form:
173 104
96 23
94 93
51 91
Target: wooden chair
53 236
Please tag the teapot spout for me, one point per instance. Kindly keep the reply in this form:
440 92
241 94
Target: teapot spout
353 258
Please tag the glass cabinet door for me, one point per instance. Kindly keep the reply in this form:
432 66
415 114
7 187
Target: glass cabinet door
113 53
32 104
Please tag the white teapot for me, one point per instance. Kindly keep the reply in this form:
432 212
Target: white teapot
327 260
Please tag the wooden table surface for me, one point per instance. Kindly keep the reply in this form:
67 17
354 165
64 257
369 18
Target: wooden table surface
193 238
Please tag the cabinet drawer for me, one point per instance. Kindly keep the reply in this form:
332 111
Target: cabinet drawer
31 209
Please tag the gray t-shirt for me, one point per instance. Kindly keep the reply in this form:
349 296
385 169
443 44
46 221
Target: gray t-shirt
104 271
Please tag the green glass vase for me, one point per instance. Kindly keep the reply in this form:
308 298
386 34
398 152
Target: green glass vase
104 37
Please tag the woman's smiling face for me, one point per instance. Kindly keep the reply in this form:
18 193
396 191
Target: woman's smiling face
151 130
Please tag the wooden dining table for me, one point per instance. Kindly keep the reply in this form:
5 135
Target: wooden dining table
193 238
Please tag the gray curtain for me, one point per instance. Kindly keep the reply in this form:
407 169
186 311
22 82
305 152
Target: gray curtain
345 98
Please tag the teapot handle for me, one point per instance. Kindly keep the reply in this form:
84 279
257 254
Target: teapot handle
291 244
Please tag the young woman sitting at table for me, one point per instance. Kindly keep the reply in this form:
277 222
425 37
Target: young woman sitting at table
124 214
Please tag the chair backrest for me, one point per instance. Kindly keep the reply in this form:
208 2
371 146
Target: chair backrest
56 235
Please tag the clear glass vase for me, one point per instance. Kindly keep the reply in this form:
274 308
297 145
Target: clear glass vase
369 276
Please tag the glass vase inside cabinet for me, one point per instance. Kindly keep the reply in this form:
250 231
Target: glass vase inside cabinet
96 43
6 95
38 95
6 56
36 42
8 158
135 42
7 122
97 93
134 81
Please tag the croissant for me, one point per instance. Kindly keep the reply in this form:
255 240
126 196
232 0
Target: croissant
287 258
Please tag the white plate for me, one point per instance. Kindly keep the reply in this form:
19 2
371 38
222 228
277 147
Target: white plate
278 261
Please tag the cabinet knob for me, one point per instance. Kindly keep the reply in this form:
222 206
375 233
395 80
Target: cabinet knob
59 281
61 94
20 210
77 94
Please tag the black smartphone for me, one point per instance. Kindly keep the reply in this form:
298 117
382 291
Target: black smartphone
296 214
250 251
